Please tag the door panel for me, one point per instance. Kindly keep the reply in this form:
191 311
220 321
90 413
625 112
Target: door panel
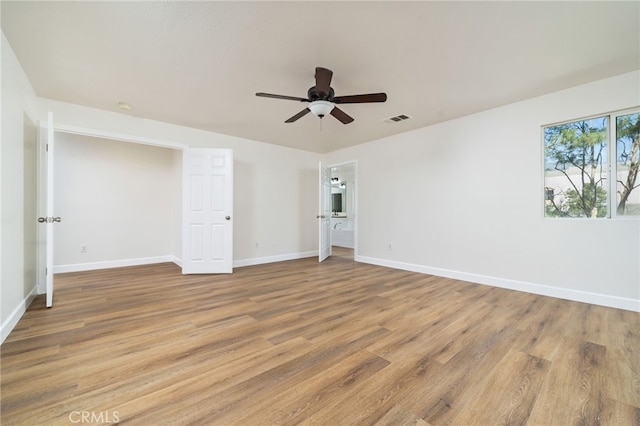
45 208
324 215
207 211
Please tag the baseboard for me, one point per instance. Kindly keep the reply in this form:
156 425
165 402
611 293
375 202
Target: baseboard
271 259
17 313
541 289
79 267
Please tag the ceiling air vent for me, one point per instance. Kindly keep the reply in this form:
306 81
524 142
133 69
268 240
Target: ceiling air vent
396 119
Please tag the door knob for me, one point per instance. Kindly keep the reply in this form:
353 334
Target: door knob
228 217
49 219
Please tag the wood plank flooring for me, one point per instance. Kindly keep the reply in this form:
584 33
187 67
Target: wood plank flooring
297 342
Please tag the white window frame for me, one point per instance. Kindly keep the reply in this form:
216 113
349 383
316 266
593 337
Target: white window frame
610 168
613 165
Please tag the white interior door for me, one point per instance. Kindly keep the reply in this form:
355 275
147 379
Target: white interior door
45 208
207 230
324 215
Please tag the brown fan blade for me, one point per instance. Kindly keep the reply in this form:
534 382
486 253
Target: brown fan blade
288 98
298 115
360 99
341 115
323 81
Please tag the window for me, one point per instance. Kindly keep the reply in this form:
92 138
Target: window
627 164
579 161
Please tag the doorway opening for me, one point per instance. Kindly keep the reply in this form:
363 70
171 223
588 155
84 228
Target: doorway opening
344 210
48 132
119 203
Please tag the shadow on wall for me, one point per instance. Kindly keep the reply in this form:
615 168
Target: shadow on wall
30 182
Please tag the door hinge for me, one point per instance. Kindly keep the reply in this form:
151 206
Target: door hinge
46 271
46 147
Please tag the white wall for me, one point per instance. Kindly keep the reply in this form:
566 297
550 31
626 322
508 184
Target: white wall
275 188
115 198
18 198
464 199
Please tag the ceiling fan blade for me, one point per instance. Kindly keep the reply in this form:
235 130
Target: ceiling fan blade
323 81
288 98
298 115
360 99
341 115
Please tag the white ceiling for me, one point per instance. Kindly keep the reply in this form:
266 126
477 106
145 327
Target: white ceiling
199 64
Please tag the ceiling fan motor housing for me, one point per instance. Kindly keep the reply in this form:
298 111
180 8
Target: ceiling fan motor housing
314 95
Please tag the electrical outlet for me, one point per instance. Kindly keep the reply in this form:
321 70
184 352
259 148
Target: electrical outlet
83 248
390 246
257 244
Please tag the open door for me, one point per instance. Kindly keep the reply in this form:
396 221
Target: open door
45 206
207 226
324 215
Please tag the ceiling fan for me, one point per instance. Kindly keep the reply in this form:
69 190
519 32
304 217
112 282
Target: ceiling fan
322 99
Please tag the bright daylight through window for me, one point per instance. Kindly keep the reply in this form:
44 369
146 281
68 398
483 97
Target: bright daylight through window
579 163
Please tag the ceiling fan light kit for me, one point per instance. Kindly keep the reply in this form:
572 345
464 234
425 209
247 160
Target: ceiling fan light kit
322 99
321 108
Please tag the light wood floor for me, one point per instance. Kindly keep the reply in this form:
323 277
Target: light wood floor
337 343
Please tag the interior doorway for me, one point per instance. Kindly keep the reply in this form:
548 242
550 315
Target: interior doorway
344 218
81 247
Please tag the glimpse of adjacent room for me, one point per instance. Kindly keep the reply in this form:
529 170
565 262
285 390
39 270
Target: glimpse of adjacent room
343 214
119 203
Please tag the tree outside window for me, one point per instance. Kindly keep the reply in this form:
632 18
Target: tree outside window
575 172
628 163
